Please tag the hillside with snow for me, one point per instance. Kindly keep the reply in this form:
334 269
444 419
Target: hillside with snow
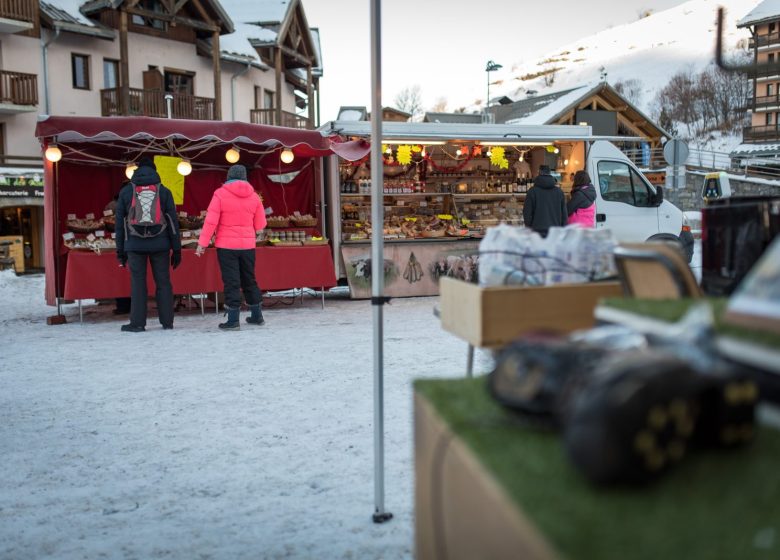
650 50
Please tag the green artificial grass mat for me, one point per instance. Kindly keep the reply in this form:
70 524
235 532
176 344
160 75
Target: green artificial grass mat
673 310
714 505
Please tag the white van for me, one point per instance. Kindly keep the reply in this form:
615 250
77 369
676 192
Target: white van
629 205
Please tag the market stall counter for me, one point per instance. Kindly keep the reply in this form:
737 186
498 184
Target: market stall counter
489 486
95 276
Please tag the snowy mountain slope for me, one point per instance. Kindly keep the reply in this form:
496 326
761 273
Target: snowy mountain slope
651 50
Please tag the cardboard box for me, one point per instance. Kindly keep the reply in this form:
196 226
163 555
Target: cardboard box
494 316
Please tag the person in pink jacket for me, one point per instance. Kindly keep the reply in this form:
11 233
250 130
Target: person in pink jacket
235 214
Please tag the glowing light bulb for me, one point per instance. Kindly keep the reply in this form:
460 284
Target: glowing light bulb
522 157
488 153
130 169
389 150
232 155
458 152
566 162
53 153
287 155
556 150
184 167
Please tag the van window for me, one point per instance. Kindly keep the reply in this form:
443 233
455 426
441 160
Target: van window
619 182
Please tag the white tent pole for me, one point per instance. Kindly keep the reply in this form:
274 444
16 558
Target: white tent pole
377 261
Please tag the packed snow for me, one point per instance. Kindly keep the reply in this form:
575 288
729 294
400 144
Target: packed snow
196 443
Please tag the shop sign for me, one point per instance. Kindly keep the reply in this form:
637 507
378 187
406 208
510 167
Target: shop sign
21 183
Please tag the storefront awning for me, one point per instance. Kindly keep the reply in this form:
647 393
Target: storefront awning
123 138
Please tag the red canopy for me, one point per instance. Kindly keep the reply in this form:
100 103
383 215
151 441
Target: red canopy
205 141
96 149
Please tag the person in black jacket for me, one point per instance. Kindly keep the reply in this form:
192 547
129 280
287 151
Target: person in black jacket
158 244
545 204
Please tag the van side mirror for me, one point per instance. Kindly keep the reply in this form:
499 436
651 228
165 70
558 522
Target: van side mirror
659 195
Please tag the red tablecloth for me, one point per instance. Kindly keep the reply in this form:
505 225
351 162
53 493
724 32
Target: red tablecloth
92 276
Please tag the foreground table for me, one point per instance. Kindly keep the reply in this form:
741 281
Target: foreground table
486 487
92 276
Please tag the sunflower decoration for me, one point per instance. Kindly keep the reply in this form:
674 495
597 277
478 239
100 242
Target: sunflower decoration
498 157
404 154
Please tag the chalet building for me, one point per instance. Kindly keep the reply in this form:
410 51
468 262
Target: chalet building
252 61
599 105
762 137
360 113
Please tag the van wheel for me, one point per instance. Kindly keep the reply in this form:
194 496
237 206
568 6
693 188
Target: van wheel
686 251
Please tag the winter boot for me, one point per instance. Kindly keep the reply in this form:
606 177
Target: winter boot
256 318
233 322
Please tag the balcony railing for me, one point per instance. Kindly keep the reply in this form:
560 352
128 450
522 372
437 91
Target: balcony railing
765 39
17 88
268 116
151 103
762 101
765 133
20 10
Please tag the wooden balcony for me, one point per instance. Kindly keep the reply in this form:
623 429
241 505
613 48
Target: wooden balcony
268 116
765 133
18 91
765 40
22 11
151 103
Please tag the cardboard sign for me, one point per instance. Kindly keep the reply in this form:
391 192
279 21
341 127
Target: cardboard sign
90 237
90 216
108 212
186 234
68 236
113 236
100 233
183 214
71 216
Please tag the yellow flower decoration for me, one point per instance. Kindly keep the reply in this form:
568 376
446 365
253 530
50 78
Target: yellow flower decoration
404 154
498 158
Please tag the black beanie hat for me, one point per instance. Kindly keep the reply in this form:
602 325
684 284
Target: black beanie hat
237 171
146 161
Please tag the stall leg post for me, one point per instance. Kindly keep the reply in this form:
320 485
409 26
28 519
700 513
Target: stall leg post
322 294
202 305
216 302
81 313
470 361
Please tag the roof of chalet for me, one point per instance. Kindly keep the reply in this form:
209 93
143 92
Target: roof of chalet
766 11
543 109
257 24
92 6
352 113
65 15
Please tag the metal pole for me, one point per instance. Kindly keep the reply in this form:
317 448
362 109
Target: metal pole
169 104
487 97
377 260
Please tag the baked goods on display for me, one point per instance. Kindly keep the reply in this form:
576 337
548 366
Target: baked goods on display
191 222
307 220
85 225
278 221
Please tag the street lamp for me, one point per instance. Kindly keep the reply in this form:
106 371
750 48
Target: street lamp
491 66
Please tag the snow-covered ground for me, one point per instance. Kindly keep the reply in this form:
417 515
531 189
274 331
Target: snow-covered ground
195 443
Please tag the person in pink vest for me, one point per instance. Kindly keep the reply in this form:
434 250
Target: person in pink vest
581 208
235 214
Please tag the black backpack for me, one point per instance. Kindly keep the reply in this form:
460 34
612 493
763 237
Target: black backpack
146 211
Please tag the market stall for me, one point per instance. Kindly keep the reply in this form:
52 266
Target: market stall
444 185
89 158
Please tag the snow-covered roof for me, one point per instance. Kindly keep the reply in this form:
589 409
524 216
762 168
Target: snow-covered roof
543 108
240 41
66 16
256 11
756 150
768 10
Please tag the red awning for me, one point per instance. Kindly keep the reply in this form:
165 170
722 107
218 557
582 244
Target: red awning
201 141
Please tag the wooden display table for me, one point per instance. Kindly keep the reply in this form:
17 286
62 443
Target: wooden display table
489 488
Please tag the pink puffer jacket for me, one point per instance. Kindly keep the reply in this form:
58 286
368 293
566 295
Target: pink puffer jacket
235 214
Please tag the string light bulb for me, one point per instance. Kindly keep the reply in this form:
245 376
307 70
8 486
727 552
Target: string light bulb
566 162
53 153
489 153
556 150
389 150
458 152
232 155
130 169
287 156
184 167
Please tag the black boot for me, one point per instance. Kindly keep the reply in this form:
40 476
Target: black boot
256 318
233 323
